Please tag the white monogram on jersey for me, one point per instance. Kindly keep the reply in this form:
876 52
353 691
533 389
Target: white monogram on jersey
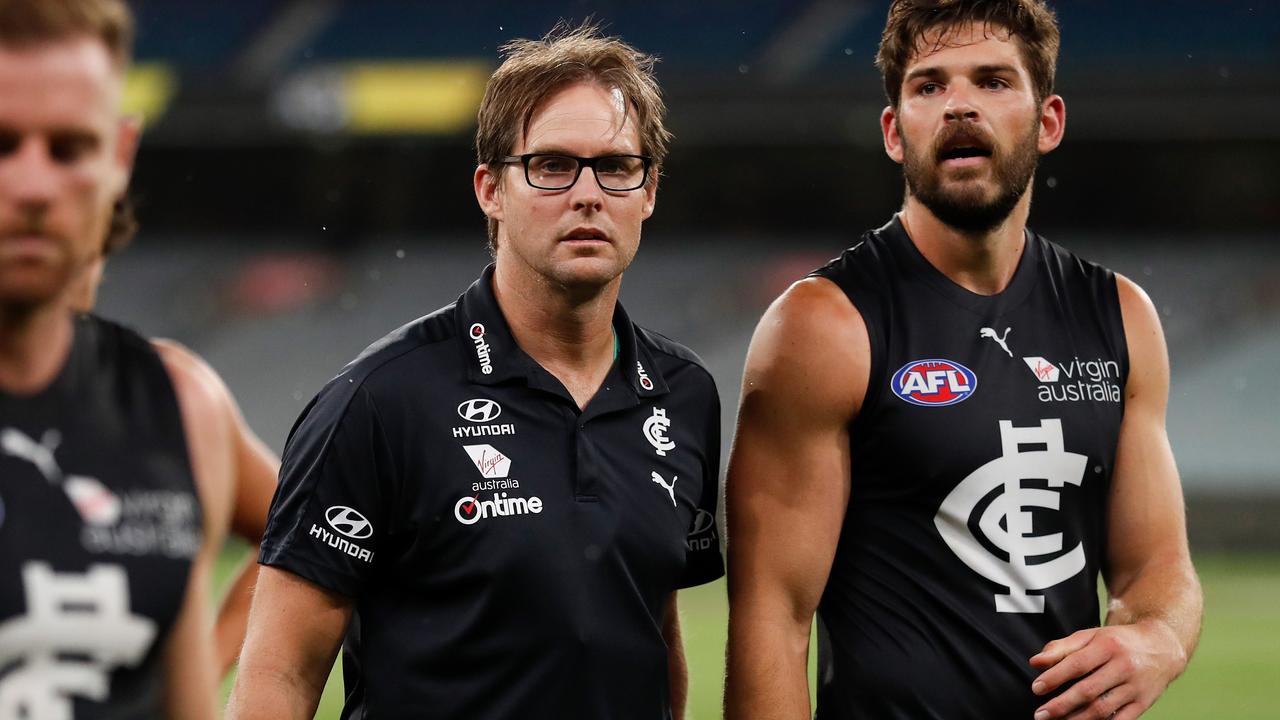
1007 472
69 615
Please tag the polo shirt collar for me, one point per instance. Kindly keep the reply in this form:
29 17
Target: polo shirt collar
492 356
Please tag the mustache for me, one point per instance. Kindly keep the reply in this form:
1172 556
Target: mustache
960 135
28 225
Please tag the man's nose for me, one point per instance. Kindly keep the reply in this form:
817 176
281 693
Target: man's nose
586 192
28 176
960 103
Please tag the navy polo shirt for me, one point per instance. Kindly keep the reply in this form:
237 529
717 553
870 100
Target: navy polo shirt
509 555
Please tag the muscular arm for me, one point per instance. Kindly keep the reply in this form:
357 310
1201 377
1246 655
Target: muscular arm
255 482
1153 617
677 668
295 629
239 484
787 490
189 678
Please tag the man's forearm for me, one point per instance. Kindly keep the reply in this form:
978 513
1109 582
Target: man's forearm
767 676
1164 591
266 695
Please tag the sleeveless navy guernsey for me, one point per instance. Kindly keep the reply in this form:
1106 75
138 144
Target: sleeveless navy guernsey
982 459
99 522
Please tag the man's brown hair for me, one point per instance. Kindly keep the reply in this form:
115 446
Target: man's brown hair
1030 22
32 22
533 70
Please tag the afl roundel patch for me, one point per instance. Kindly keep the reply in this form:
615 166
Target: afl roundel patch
934 382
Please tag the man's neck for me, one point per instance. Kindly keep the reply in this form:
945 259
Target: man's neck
982 263
568 331
34 343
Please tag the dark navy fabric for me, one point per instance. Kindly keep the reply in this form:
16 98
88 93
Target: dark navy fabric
982 460
99 525
510 556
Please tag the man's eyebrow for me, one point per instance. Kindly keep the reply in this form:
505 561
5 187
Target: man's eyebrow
930 71
998 69
933 71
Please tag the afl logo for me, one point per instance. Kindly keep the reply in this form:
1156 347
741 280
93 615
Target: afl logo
479 410
348 522
934 382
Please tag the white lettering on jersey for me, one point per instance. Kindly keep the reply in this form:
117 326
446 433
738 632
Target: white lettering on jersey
930 381
68 615
1054 464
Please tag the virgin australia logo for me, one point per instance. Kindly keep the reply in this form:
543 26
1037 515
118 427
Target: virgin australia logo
1005 523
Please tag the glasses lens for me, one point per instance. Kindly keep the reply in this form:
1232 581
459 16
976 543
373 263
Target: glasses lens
620 172
552 172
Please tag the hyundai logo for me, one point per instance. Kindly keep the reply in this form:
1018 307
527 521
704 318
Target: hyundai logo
479 410
348 522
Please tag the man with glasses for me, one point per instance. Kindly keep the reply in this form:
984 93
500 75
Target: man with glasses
497 502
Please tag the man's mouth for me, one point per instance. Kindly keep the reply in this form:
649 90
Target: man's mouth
585 235
966 151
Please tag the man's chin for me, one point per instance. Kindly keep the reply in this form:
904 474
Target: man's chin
587 271
27 291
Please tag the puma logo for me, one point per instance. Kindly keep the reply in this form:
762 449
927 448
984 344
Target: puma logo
989 333
671 489
19 445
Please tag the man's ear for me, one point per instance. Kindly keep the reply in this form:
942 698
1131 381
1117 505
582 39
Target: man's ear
889 131
1053 123
650 195
128 135
488 187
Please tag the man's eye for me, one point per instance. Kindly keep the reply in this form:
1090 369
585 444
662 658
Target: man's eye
612 166
8 143
930 88
67 150
994 84
555 165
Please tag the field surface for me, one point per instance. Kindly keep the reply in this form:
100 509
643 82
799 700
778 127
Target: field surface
1236 666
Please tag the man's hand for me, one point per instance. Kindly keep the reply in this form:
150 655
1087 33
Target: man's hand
1121 670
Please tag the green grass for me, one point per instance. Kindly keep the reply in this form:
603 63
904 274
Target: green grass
1230 676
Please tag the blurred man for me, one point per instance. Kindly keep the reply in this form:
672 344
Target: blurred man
950 430
497 503
240 489
103 563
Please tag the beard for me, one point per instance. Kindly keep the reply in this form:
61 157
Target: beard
31 278
964 202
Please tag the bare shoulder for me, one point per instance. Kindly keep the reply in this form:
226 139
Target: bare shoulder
210 429
1148 354
812 345
193 376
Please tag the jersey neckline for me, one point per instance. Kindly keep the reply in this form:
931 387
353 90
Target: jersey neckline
1020 285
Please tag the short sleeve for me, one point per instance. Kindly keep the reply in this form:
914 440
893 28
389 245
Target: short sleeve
331 505
703 561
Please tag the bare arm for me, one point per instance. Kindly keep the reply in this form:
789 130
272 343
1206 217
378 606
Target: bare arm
189 678
677 668
295 629
1153 618
239 484
256 471
189 682
787 490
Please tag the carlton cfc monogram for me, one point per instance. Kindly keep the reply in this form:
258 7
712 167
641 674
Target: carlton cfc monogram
1007 472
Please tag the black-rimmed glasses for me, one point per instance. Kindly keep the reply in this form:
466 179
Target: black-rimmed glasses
615 173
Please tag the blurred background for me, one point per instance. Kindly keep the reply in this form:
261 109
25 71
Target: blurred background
304 186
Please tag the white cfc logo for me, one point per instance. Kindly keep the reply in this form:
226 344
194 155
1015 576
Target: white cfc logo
1015 537
68 614
655 431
